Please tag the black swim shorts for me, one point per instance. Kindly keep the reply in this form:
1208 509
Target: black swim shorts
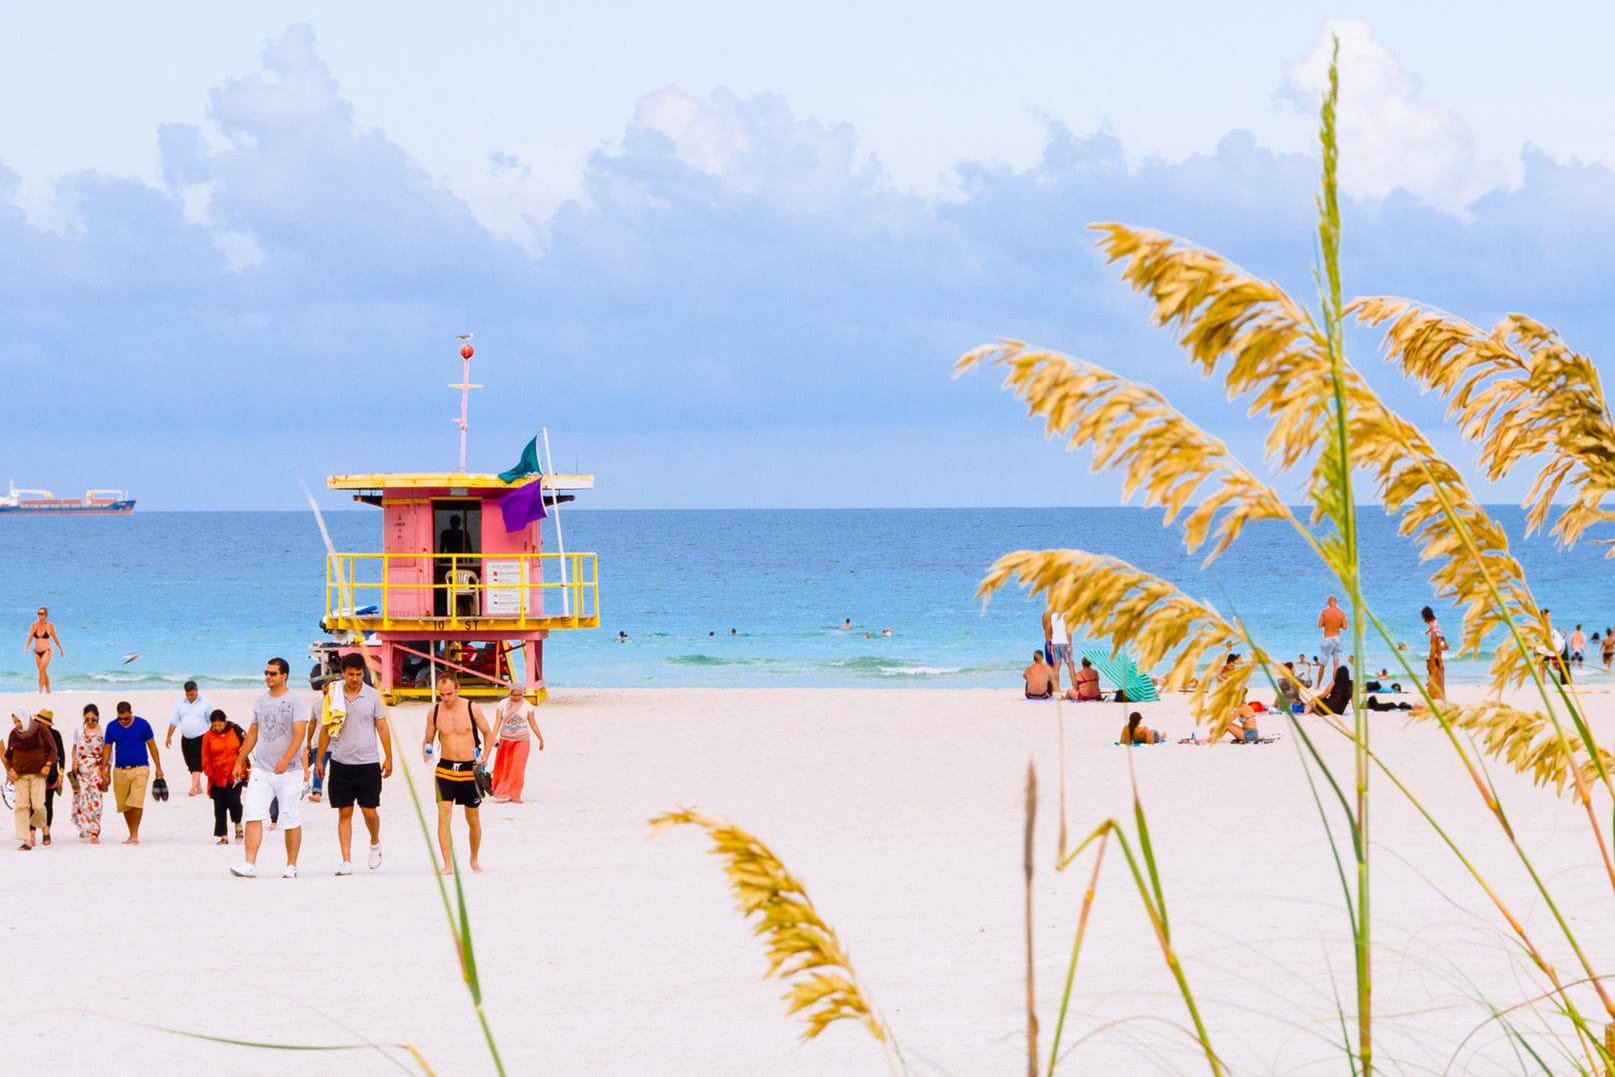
348 783
457 783
191 749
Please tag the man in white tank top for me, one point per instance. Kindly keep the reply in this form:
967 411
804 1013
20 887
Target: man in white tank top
1057 640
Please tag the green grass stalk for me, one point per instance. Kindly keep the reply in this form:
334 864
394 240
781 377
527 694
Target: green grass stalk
1150 892
460 930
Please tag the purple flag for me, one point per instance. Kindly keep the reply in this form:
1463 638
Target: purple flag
523 505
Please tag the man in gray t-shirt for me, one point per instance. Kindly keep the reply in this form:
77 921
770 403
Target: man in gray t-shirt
275 739
361 756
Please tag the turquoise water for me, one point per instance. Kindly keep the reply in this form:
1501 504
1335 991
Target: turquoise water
212 595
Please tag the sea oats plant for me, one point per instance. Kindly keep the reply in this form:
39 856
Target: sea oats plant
1518 393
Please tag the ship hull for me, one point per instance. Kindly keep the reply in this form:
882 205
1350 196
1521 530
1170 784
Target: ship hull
69 508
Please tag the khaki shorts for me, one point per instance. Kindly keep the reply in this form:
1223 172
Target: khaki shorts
129 786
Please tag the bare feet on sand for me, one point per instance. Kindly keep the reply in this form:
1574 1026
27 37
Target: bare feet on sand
131 841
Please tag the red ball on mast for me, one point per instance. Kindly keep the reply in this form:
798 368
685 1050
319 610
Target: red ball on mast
467 351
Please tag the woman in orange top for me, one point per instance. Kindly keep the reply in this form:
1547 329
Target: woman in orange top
221 744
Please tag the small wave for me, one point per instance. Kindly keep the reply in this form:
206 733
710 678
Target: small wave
713 660
920 671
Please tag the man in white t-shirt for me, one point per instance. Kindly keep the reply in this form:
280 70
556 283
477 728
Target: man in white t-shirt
1058 641
361 756
275 739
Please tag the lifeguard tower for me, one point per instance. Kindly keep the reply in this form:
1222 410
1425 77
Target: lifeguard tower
451 586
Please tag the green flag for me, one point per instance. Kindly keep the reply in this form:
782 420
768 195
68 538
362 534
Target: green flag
527 465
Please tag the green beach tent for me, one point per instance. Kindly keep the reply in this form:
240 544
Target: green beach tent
1121 672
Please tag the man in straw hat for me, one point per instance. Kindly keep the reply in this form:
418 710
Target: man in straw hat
29 754
53 777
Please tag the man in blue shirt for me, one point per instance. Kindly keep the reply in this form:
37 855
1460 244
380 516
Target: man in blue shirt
128 741
192 717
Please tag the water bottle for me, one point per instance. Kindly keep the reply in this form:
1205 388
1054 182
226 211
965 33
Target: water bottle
427 751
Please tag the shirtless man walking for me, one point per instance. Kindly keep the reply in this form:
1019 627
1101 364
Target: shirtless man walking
450 722
1333 622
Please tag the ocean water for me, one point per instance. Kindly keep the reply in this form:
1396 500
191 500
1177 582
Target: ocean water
212 595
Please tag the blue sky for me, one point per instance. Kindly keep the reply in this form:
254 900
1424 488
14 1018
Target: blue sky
727 256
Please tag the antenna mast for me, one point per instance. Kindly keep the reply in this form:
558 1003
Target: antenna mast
465 387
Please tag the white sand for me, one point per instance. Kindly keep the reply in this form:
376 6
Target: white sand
602 951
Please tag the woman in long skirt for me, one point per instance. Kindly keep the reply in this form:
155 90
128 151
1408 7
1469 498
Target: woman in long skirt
87 766
517 727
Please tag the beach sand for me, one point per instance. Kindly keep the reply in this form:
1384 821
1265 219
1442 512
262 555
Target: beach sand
604 951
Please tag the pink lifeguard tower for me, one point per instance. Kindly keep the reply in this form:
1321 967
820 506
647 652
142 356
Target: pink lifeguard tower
451 587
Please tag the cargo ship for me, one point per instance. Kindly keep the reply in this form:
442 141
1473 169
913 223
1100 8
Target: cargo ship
44 503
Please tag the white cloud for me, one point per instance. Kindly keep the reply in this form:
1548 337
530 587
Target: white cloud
1389 137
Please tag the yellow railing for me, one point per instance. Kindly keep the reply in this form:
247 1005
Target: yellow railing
461 591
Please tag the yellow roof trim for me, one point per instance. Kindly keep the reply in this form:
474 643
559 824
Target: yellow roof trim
455 480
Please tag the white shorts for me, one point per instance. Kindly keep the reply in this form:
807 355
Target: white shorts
1331 647
265 785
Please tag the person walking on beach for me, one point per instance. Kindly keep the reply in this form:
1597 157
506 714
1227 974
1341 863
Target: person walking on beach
1333 622
1609 647
1435 666
88 746
191 717
29 751
1058 642
1578 647
517 728
1557 656
128 745
274 741
58 769
41 634
455 723
360 758
221 746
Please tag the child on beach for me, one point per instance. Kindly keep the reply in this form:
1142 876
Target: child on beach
511 745
220 746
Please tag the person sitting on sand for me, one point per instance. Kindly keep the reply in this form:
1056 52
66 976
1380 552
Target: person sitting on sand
1242 727
1039 678
1304 674
1085 685
1228 667
1135 733
1289 696
1338 698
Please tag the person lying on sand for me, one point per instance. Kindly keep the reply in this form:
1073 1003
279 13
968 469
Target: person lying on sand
1039 678
1136 733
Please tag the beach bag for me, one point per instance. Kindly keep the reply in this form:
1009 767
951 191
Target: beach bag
1121 696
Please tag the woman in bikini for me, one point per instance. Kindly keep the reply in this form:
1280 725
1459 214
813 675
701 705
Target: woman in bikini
41 634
